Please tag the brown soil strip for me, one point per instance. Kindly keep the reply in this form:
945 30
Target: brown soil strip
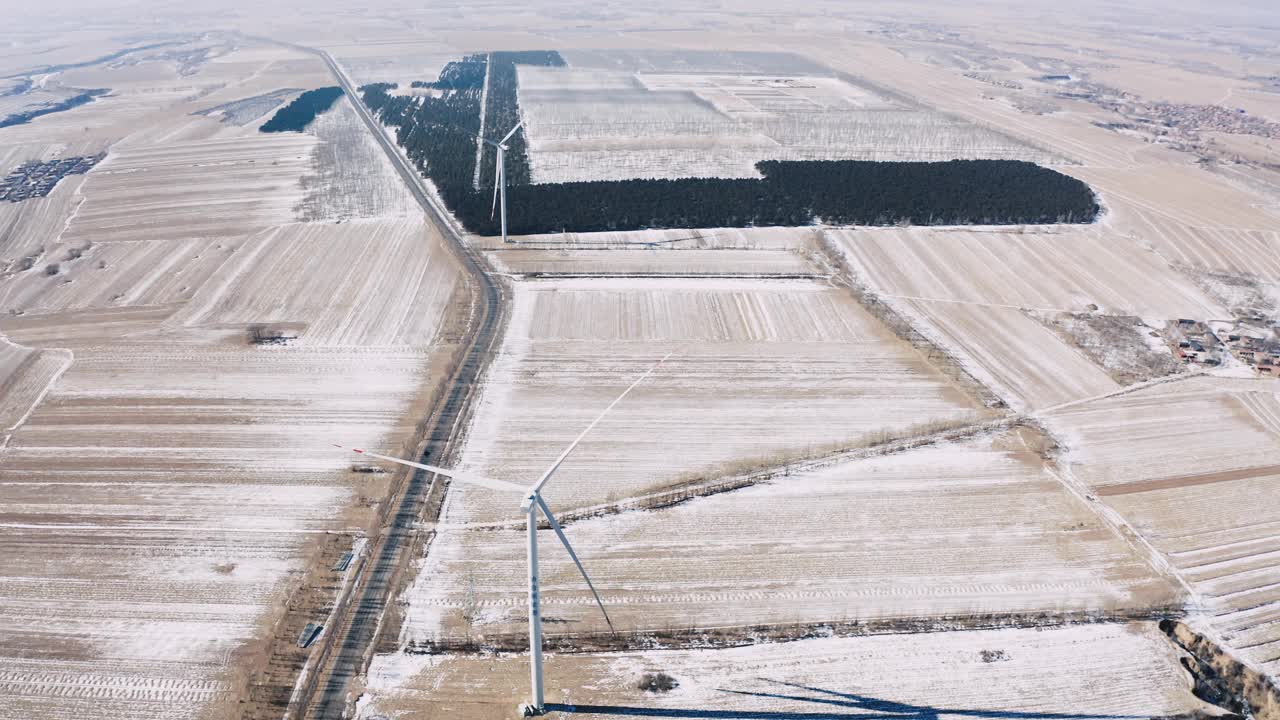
1179 481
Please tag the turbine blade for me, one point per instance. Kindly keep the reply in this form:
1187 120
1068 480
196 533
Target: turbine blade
497 178
490 483
555 465
507 137
565 541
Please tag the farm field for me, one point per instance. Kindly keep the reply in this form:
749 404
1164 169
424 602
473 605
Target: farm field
730 392
1130 672
156 190
1046 268
1186 465
909 535
773 252
363 283
353 179
947 90
990 297
25 376
1191 218
756 238
29 225
628 115
655 261
995 299
1016 356
166 486
165 508
186 330
401 62
1246 251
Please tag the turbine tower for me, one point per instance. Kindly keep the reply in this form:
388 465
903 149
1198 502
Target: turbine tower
500 176
531 504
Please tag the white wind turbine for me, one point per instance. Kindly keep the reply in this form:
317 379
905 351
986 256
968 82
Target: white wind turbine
500 176
530 506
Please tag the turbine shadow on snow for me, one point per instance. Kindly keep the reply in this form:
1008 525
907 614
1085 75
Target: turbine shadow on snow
855 707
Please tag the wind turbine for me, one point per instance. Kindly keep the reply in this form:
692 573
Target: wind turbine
500 176
531 504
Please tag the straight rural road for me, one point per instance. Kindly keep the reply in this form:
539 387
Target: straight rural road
349 641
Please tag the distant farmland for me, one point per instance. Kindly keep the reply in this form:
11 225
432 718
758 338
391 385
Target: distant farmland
978 183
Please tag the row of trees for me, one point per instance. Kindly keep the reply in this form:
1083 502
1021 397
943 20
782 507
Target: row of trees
439 132
843 192
464 74
297 115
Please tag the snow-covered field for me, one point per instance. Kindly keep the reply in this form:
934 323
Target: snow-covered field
164 483
1072 673
129 589
28 227
403 62
1191 466
142 272
991 297
364 283
769 252
1010 352
1062 268
969 528
757 238
657 260
653 120
761 367
354 180
209 188
1224 249
25 377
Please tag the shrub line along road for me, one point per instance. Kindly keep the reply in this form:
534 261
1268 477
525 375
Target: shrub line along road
354 626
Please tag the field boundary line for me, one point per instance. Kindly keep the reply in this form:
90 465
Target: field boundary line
1132 388
718 637
679 493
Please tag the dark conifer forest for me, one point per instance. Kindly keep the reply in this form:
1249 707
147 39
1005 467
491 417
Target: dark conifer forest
74 101
297 115
439 134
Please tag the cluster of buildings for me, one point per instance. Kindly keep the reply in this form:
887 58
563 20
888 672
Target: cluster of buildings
1208 118
1183 119
1163 118
1197 343
1262 355
1200 345
37 179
